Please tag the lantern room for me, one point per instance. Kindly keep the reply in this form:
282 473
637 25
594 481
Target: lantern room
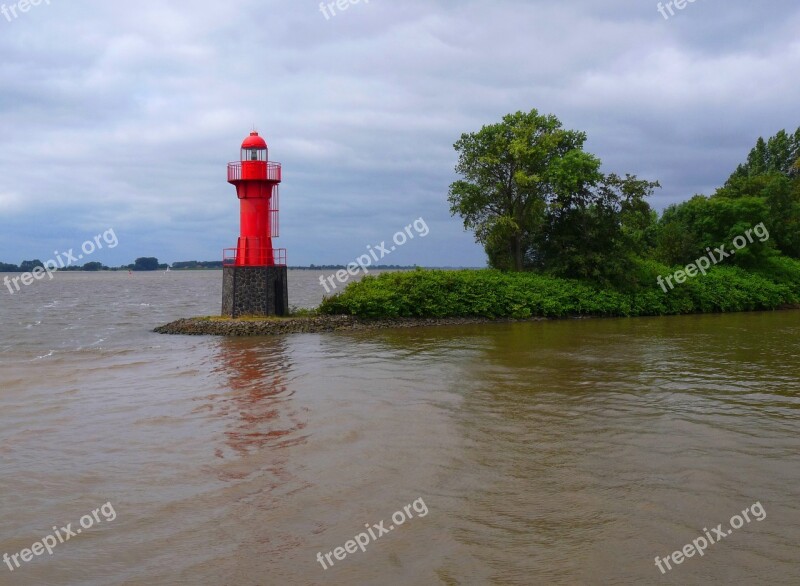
254 148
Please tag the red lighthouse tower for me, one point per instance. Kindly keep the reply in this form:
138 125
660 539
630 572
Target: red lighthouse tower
255 274
256 180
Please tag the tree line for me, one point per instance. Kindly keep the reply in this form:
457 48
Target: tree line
152 264
140 264
537 201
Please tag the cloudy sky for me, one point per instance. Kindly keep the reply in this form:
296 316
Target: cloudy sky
123 115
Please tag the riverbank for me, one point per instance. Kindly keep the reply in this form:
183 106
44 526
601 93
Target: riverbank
433 297
250 327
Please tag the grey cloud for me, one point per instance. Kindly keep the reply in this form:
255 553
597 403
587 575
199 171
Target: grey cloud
125 114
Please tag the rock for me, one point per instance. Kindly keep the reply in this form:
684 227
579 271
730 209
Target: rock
306 325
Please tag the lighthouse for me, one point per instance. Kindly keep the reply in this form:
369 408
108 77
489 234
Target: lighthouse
255 275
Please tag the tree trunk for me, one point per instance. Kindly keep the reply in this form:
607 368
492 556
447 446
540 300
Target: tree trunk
518 253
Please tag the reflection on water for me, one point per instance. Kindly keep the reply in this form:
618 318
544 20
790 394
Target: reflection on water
567 452
260 402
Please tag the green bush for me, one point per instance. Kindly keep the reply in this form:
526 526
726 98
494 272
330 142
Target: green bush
493 294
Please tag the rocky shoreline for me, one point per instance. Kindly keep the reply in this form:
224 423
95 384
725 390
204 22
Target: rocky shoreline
306 325
218 326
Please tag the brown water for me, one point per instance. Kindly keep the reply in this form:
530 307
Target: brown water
568 452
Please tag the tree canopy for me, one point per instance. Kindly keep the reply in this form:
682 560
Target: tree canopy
779 154
536 200
766 188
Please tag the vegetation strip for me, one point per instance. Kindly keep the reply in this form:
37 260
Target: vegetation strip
494 294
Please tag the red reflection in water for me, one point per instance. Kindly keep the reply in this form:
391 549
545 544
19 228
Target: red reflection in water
259 402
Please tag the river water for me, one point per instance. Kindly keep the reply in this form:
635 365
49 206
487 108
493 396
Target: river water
563 452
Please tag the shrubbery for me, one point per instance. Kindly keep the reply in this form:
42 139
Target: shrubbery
494 294
537 201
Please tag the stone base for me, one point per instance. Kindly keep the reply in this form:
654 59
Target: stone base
255 291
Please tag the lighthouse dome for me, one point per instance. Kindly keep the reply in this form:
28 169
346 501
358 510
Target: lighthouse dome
254 141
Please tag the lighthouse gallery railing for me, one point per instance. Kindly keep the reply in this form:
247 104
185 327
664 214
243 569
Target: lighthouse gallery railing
243 170
274 257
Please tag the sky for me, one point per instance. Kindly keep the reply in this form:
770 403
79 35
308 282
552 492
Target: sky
123 115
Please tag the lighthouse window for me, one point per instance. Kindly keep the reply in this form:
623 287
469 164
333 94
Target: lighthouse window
254 154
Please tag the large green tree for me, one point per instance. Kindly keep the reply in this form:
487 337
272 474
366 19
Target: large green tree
536 199
508 172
